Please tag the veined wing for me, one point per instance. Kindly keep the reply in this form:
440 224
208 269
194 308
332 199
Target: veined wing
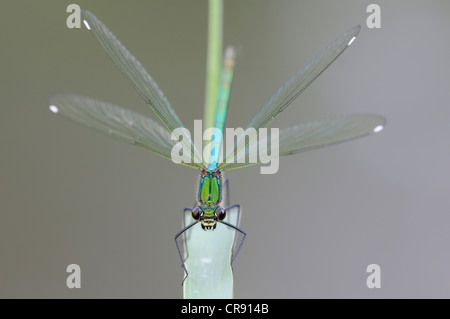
117 122
296 85
313 135
137 75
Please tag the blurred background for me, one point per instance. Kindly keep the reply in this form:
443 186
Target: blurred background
71 195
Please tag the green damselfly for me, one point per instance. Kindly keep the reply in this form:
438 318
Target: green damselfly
209 208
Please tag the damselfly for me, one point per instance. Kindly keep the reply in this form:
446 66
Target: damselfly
141 131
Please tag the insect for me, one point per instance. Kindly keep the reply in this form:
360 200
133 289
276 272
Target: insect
134 128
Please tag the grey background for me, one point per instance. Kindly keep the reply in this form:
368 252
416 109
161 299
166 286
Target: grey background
70 195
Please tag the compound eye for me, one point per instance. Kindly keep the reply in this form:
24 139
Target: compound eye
221 213
196 213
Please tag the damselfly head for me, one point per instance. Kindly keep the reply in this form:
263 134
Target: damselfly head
208 216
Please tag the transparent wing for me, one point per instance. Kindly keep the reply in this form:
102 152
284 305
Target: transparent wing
296 85
137 75
115 121
312 135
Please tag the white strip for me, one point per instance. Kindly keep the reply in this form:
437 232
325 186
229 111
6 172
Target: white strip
351 41
87 24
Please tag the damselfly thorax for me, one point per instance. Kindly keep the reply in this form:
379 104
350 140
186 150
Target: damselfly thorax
208 209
